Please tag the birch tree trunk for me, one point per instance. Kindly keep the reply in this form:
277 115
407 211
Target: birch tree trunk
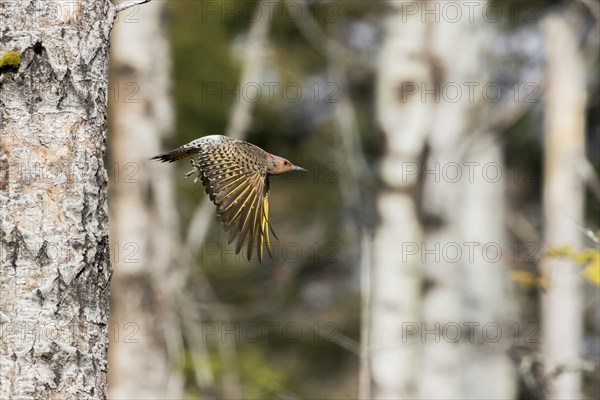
144 331
467 306
396 272
54 258
562 303
431 202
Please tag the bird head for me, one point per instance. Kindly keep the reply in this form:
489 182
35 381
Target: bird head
278 165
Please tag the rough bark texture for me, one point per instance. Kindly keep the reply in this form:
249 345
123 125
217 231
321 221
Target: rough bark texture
54 258
562 303
144 331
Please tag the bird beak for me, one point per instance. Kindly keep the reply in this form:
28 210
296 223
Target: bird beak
297 168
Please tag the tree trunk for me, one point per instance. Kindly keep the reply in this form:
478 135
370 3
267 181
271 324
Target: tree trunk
467 280
396 273
54 257
144 331
562 303
426 286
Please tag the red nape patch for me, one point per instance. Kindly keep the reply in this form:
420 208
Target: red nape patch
271 155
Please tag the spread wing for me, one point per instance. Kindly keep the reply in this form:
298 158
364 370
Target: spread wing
241 193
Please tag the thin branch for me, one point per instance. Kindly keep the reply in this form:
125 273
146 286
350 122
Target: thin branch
522 227
321 41
364 375
586 231
341 340
128 4
593 8
241 117
586 171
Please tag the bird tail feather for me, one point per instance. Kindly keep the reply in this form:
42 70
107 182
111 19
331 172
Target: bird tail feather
177 154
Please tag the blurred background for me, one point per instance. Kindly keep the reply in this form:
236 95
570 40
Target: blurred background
444 243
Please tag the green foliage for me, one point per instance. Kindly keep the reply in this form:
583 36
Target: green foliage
529 279
589 258
260 377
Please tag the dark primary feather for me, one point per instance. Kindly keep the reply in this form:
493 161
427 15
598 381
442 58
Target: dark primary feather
234 175
235 179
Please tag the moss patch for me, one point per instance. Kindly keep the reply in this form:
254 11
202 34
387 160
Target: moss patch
10 61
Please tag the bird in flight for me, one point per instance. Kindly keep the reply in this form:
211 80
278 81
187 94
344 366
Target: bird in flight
235 175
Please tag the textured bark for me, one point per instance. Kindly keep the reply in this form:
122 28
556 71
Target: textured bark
144 331
562 303
54 258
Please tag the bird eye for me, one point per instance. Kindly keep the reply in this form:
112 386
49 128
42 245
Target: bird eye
285 163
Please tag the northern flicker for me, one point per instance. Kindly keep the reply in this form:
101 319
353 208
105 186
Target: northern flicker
235 175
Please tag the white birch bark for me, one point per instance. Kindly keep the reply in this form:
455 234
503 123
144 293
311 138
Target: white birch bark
54 257
562 303
417 287
396 275
488 371
144 331
463 200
